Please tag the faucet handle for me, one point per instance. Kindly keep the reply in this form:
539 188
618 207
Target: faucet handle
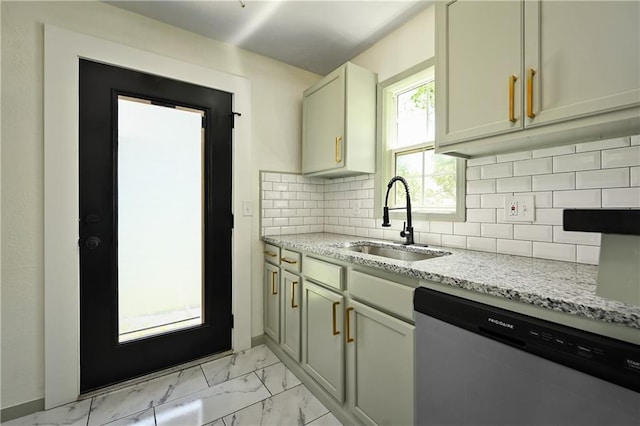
404 228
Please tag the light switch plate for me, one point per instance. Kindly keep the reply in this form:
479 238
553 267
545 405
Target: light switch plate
519 208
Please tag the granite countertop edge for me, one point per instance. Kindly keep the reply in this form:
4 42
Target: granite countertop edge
560 286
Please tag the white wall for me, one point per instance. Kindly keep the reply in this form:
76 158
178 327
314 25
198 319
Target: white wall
276 129
407 46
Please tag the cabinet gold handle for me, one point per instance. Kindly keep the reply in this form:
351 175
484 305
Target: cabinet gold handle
338 151
530 112
289 261
335 332
274 290
349 338
293 294
268 253
512 85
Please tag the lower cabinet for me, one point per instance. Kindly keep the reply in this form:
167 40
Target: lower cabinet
271 291
380 363
290 307
351 331
322 338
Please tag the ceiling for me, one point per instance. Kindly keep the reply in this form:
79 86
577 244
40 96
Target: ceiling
316 35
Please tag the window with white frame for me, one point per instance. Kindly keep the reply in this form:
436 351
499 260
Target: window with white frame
406 148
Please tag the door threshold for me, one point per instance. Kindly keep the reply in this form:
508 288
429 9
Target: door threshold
154 375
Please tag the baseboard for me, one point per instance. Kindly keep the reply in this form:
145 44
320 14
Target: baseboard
336 408
21 410
258 340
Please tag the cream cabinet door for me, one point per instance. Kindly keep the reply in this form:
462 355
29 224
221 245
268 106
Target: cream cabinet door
271 291
291 287
323 125
478 69
323 338
585 55
380 365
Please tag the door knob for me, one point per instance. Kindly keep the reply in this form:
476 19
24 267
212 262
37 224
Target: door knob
92 243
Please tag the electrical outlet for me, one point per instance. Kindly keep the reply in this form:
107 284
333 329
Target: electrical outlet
519 208
247 208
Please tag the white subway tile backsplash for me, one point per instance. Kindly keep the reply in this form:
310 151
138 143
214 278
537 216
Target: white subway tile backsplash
458 241
553 251
466 228
481 244
621 157
550 152
430 238
533 232
473 173
591 175
376 233
621 197
473 201
514 184
536 166
481 186
481 215
516 156
600 145
280 221
514 247
488 201
271 213
542 199
497 230
496 170
481 161
574 162
548 217
588 254
271 230
553 182
441 227
607 178
571 237
277 186
635 176
581 198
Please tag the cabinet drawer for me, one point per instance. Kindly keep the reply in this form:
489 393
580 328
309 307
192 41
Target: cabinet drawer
272 254
388 295
290 260
323 272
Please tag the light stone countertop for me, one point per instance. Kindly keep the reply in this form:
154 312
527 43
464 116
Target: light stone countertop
560 286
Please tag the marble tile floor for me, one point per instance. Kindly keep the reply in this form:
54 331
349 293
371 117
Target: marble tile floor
248 388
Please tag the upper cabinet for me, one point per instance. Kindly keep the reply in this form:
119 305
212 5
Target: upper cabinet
522 74
338 123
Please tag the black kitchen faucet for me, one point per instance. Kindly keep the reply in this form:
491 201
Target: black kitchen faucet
407 229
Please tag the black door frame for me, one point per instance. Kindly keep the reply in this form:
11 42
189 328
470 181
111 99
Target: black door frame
218 205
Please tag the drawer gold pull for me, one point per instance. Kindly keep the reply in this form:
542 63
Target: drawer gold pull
289 261
512 85
338 150
349 338
274 290
530 112
268 253
335 332
293 294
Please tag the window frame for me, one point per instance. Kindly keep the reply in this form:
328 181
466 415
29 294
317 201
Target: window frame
385 158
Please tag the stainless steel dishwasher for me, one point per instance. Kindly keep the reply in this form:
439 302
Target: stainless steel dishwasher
481 365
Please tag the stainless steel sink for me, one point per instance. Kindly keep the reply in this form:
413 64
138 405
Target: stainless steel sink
394 252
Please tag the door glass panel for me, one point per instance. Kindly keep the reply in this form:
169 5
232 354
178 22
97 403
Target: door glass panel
160 235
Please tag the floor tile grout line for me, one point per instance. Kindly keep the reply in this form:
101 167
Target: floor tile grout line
322 415
155 420
204 374
263 383
90 408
